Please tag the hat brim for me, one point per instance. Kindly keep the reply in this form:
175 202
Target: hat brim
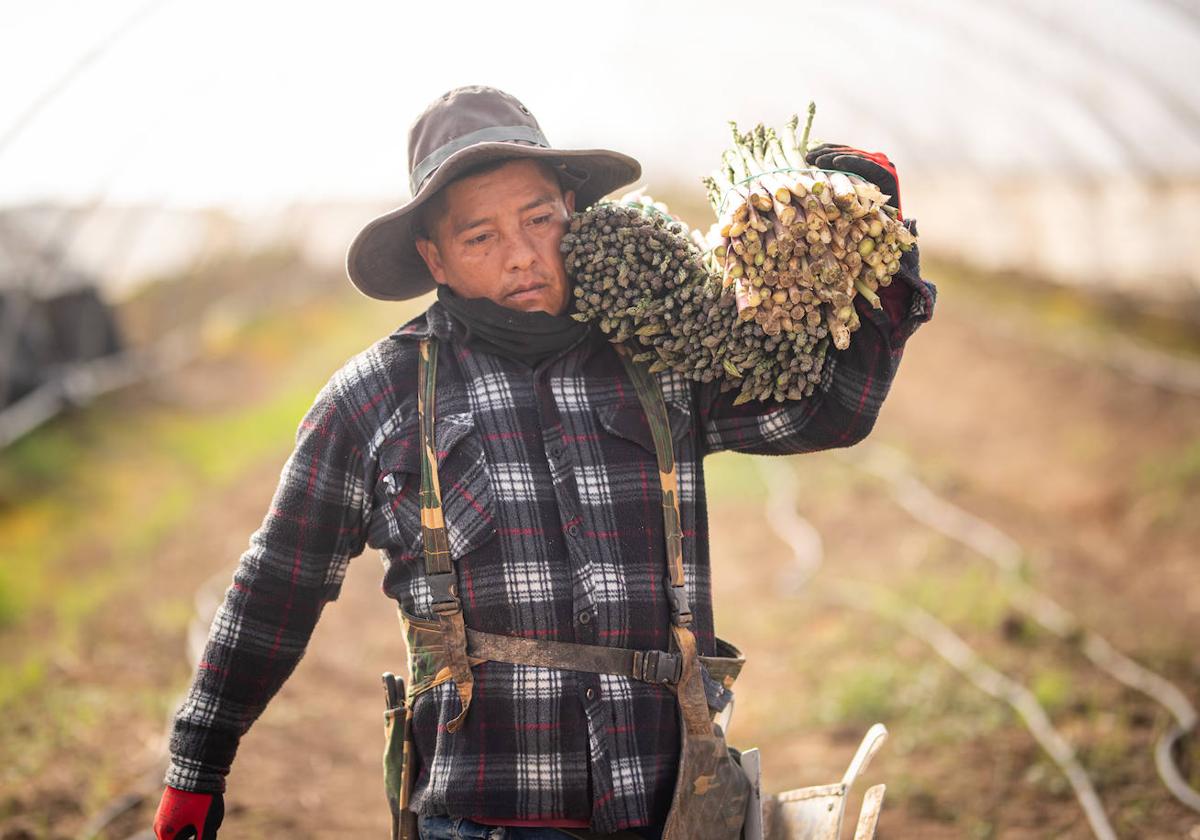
383 261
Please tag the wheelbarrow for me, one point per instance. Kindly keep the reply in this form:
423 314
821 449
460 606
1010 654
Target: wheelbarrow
811 813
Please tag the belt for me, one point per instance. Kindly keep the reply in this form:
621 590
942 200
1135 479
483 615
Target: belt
652 666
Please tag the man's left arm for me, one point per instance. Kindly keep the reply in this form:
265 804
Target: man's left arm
843 408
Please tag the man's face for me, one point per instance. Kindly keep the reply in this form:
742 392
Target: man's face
498 238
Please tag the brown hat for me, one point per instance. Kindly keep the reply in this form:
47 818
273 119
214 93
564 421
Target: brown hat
462 128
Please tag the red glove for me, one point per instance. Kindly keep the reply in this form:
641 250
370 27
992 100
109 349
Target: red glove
872 166
188 816
876 168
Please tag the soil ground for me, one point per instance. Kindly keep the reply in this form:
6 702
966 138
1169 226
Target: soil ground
1096 477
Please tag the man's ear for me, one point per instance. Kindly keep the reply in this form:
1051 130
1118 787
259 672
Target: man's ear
428 250
569 200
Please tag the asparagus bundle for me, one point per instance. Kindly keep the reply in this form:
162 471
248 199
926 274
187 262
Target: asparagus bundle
641 277
628 262
756 304
796 243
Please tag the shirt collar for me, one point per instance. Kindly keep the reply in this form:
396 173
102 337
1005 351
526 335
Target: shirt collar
434 322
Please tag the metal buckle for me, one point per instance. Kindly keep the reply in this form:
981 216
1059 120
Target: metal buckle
443 588
657 666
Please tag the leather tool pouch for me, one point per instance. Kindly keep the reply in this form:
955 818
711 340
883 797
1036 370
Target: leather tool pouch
711 791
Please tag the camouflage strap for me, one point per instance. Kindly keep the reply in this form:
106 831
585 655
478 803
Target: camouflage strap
433 524
711 791
689 688
650 395
439 567
652 666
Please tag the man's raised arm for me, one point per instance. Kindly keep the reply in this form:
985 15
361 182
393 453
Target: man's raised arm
843 409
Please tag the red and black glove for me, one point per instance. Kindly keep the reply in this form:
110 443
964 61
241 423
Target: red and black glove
188 816
876 168
872 166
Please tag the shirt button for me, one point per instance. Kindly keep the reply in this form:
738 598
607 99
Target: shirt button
573 530
590 694
585 617
556 452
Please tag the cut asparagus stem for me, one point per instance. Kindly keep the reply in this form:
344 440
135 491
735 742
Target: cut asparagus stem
754 304
865 291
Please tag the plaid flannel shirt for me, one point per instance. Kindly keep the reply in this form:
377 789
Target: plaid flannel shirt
553 511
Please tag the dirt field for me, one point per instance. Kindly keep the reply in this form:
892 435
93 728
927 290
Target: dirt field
1094 476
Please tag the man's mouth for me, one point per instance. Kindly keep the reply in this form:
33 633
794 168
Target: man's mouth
526 292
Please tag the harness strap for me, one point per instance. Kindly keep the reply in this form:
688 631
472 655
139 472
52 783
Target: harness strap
650 395
462 647
689 691
652 666
433 523
439 567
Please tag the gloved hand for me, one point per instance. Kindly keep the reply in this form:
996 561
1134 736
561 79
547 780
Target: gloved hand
873 166
876 168
188 816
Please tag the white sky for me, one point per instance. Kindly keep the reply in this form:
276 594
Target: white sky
256 101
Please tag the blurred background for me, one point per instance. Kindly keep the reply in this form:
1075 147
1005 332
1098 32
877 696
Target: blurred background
1005 573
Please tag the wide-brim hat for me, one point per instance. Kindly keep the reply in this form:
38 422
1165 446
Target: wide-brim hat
461 129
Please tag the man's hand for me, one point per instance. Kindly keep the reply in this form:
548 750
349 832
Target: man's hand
873 166
188 816
876 168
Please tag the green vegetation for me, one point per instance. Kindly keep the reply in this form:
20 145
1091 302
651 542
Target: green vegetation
20 677
124 488
1168 484
1052 688
969 596
88 502
860 696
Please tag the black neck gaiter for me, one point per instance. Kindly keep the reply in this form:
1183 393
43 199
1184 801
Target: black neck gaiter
528 337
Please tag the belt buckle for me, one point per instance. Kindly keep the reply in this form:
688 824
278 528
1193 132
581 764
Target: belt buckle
657 666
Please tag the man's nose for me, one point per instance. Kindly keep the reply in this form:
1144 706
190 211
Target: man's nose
521 253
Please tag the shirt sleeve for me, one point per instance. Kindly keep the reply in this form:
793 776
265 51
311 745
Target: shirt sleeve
843 409
294 565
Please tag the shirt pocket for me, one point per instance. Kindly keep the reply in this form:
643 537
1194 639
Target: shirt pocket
627 420
467 494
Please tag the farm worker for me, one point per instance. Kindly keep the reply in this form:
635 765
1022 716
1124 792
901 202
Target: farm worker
539 503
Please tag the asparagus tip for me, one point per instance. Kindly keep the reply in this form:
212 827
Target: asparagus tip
812 112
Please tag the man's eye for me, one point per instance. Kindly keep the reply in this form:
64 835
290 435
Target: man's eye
541 220
478 240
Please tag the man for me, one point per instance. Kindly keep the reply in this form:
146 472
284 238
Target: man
552 515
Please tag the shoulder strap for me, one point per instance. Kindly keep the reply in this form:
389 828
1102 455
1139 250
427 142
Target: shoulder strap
440 573
689 690
678 669
650 394
439 568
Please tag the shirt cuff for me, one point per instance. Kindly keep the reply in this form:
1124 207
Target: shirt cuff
908 300
194 777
